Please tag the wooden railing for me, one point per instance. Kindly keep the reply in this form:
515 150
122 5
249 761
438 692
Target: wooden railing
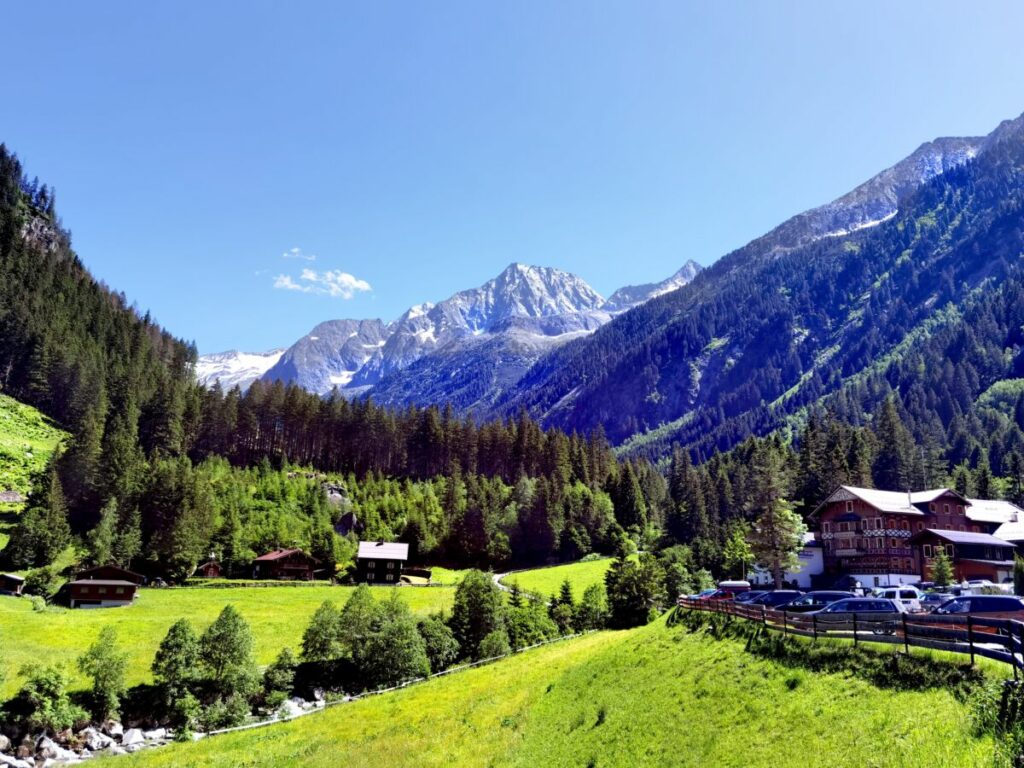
998 639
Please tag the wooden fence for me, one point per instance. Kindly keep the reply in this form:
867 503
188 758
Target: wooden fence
998 639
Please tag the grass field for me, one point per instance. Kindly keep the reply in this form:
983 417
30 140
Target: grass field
278 616
648 697
27 440
546 581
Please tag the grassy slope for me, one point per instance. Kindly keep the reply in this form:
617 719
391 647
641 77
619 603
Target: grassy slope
649 697
278 616
546 581
27 440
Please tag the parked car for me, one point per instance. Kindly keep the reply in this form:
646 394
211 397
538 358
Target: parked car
813 601
910 597
705 593
736 587
932 600
989 606
753 594
776 598
846 609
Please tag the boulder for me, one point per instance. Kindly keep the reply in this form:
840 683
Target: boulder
290 708
13 762
113 729
94 740
5 743
48 749
132 737
157 734
27 748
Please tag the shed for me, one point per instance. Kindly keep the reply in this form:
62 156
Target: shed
101 593
286 564
381 562
10 584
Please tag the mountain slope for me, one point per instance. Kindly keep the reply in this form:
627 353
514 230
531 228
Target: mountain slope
648 697
782 321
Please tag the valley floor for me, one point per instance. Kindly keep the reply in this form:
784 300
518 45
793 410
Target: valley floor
655 696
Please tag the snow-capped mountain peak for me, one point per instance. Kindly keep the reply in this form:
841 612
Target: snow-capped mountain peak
632 295
235 368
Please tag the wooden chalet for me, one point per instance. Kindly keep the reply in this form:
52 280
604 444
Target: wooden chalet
211 569
11 584
286 565
101 593
111 572
973 555
381 562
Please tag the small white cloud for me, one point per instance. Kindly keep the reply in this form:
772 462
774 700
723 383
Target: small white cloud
332 282
296 253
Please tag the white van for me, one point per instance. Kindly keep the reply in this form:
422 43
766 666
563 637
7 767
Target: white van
908 597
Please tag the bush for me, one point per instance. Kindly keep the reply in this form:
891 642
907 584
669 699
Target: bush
226 713
495 644
42 582
176 661
46 697
479 610
441 646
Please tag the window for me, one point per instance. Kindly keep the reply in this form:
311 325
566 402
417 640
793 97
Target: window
102 590
904 525
909 565
927 550
849 506
959 509
391 566
826 527
893 543
949 550
933 507
119 590
945 508
371 564
878 523
389 577
920 526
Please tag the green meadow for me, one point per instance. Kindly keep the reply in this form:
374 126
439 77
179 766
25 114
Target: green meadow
654 696
546 581
278 616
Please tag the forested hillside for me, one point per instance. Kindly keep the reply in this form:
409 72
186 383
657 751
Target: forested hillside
159 471
925 305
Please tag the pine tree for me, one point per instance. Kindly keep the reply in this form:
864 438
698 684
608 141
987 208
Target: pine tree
894 463
103 538
777 539
942 568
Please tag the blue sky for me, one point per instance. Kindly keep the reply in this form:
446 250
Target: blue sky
415 149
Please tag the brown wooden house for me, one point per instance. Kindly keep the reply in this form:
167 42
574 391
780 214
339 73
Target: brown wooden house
101 593
973 555
11 584
381 562
112 572
211 569
286 564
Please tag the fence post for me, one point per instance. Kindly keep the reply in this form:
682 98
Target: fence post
785 625
764 616
906 639
970 637
855 630
814 625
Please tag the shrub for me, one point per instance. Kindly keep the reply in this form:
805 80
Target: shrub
106 664
478 611
176 661
226 713
495 644
45 693
42 582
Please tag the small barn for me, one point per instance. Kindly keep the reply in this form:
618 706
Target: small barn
287 565
11 584
381 562
211 569
101 593
111 572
